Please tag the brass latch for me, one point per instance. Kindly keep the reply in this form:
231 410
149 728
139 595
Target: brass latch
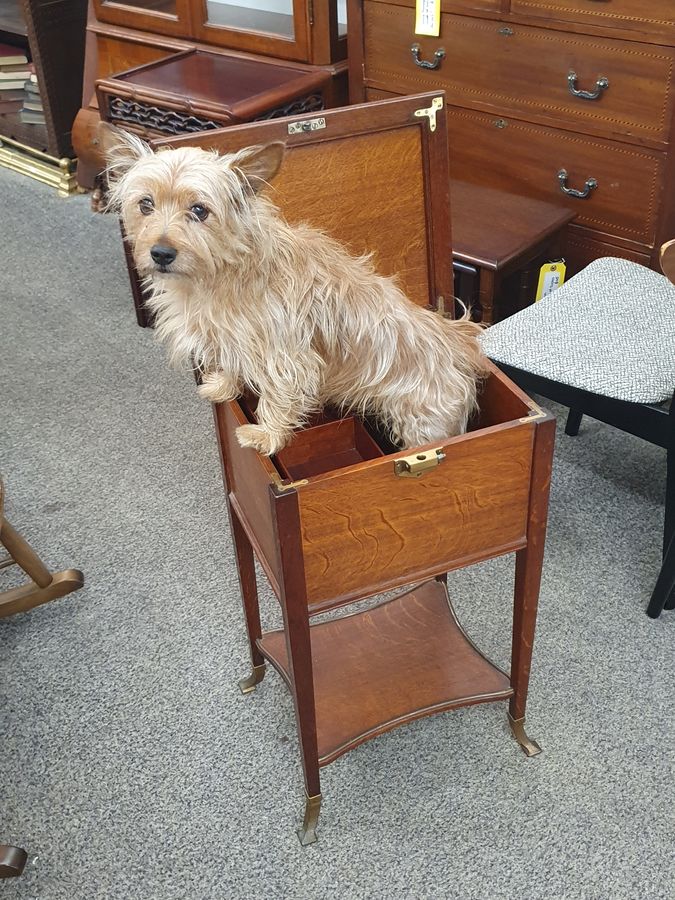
415 465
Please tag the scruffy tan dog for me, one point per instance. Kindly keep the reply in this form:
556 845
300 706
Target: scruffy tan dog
284 310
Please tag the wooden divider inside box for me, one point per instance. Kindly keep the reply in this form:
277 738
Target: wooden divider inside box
334 445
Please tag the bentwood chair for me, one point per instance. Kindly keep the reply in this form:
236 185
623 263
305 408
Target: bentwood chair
604 345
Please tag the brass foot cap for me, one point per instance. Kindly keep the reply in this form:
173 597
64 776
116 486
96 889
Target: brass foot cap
12 861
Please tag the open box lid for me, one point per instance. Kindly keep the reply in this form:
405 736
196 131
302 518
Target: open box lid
374 176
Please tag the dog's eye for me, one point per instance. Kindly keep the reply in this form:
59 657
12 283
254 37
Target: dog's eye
146 205
199 212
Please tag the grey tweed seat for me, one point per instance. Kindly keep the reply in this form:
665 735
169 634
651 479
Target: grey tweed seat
609 330
604 345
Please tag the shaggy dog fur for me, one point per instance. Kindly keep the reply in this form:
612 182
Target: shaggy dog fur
283 310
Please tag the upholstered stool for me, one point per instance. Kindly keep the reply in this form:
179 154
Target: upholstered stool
604 345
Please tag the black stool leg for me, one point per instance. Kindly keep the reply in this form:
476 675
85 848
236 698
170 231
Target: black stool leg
574 418
664 590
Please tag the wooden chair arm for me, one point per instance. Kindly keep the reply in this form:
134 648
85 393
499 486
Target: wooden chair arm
668 260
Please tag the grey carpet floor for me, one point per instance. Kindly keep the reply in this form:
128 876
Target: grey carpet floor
130 764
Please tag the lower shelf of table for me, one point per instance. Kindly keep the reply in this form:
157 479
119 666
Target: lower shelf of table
402 660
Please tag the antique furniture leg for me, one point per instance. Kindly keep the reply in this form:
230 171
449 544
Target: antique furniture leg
245 565
12 861
44 585
249 593
488 287
143 317
299 648
529 562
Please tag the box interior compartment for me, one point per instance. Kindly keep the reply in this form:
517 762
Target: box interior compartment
331 441
333 445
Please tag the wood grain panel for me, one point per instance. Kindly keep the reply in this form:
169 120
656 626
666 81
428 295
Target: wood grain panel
400 661
523 72
366 528
658 15
250 479
373 178
362 186
525 159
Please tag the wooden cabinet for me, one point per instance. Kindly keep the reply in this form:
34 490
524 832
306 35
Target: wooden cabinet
312 32
305 36
563 100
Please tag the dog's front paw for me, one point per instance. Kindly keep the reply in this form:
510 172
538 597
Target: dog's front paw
218 387
260 439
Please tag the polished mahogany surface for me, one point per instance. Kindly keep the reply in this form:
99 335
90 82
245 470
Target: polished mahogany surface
219 79
491 227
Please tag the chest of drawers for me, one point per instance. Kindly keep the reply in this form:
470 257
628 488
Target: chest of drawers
568 101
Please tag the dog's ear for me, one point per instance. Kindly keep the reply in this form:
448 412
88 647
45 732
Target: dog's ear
120 148
258 165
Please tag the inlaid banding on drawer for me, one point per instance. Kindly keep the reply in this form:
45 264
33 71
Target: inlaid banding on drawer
466 7
525 72
525 159
629 13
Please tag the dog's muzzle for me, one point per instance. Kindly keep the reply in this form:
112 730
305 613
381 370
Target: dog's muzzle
163 256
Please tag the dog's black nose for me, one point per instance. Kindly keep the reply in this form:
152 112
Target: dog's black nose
163 256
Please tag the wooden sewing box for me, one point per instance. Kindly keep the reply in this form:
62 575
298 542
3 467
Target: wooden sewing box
339 515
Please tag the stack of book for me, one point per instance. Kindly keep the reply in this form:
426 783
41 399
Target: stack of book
32 110
15 71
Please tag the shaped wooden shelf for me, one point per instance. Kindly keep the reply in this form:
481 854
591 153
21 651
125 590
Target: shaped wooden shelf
380 668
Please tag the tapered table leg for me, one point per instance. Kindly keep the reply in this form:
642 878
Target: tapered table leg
299 648
529 563
249 594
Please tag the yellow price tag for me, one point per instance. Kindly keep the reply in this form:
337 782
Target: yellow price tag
551 276
428 17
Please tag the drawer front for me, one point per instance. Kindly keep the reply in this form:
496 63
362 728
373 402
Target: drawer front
656 15
466 7
526 159
367 529
582 249
523 71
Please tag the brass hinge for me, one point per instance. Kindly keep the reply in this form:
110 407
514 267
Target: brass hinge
416 464
310 10
307 125
430 112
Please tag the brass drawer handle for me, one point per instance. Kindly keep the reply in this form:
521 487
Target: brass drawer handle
439 55
590 185
600 85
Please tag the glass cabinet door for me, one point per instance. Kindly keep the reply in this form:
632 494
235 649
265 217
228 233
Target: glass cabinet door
271 17
273 27
161 16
